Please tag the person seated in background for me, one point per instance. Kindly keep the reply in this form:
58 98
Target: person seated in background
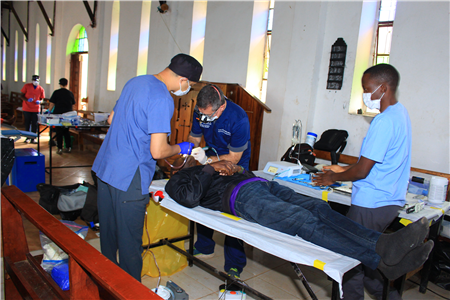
226 187
62 101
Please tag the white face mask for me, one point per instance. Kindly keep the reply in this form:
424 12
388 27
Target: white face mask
372 104
35 83
180 92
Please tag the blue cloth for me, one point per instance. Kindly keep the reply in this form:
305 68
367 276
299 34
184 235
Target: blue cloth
280 208
230 132
121 215
145 107
388 143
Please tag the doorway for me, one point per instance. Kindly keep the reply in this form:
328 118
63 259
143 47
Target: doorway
78 48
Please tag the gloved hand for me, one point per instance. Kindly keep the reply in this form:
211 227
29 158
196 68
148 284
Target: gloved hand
38 102
30 99
186 147
200 155
46 112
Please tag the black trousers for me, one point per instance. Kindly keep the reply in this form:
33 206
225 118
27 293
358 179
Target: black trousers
60 133
30 119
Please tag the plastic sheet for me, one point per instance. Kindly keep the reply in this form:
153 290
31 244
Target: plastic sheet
161 224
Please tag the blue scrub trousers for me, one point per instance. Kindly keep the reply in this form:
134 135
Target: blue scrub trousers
121 217
233 250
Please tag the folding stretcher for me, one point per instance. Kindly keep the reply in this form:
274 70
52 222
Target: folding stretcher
290 248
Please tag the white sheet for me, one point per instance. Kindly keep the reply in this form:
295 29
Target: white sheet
287 247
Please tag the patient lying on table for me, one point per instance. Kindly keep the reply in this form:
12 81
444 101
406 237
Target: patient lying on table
226 187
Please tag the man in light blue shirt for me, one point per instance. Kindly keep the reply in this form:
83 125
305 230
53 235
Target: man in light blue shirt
125 163
380 177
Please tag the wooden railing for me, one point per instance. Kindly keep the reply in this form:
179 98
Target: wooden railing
92 275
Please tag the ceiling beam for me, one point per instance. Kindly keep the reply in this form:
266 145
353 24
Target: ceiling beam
92 14
11 7
44 13
6 38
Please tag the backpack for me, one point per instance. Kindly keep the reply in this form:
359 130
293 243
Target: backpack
49 195
334 141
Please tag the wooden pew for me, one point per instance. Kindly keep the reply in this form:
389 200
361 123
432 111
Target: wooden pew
92 275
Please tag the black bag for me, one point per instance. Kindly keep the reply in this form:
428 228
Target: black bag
48 197
89 213
334 141
306 154
8 156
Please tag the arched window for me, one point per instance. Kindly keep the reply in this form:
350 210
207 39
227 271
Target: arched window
81 42
113 47
24 60
16 56
36 53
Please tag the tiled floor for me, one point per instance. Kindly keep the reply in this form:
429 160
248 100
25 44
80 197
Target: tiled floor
267 274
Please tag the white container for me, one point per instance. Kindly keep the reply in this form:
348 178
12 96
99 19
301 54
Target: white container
163 292
438 189
311 138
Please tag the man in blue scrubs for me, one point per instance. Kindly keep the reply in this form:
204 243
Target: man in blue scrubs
226 130
125 163
380 178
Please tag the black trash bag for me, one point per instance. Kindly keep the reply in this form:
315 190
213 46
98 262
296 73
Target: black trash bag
440 265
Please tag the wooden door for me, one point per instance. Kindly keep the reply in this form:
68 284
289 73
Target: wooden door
75 77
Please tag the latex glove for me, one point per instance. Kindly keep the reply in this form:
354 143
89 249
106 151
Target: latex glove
30 99
186 147
200 155
38 102
46 112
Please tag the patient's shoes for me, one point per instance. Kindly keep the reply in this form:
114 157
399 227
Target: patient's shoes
413 260
198 254
393 247
234 273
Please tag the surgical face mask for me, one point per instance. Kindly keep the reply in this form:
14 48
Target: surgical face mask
180 92
35 82
372 104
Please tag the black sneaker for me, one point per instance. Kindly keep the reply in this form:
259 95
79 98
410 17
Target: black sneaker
59 151
68 150
33 141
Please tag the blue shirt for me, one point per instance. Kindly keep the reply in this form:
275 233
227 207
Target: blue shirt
145 106
388 143
230 132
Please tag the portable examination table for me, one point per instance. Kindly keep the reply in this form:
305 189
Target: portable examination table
290 248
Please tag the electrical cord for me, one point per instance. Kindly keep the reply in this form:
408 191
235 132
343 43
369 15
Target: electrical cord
430 290
148 250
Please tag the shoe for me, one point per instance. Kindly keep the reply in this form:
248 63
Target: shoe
233 272
68 150
59 151
198 254
27 141
33 141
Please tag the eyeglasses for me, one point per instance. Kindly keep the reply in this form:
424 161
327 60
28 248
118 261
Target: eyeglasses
204 117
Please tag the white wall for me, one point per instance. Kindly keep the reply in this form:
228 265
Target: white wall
420 52
303 32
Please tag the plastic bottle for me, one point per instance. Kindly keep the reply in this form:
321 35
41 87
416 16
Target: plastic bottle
438 189
311 138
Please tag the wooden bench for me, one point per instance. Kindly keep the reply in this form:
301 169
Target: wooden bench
92 275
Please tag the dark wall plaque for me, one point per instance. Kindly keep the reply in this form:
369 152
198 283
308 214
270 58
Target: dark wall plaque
337 65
